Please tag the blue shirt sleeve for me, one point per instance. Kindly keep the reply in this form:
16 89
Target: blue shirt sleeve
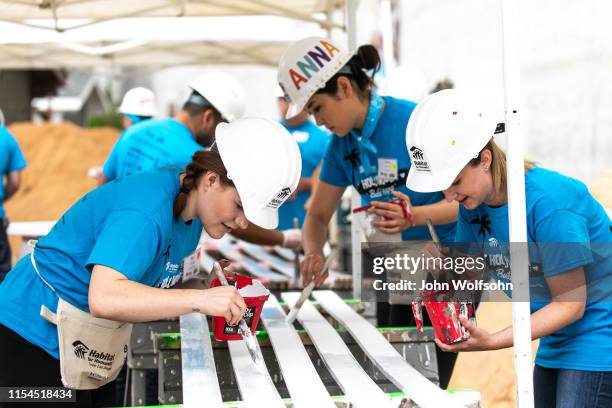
17 161
331 169
128 242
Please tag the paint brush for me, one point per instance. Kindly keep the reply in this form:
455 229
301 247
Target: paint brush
436 241
296 252
249 339
306 292
434 235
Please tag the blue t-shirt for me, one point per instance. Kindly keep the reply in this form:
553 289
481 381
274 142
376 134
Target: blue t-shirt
560 210
127 225
11 159
389 168
312 142
150 145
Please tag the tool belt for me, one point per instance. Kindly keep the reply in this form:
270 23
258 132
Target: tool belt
92 350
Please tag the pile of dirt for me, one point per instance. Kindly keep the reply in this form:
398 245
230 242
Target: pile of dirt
58 157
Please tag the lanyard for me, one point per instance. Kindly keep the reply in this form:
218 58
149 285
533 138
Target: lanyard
363 137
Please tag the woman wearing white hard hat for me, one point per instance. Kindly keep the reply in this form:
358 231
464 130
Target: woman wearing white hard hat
571 266
138 104
366 152
109 257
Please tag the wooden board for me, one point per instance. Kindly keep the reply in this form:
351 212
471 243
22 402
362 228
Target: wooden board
274 262
200 384
303 382
418 388
256 389
355 383
254 268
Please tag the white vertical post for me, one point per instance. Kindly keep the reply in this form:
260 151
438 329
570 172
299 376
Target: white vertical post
519 257
351 31
386 28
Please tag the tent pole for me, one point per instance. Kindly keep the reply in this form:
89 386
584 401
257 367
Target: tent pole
351 31
386 24
519 257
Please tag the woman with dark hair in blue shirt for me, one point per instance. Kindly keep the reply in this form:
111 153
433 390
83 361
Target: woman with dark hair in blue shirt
367 151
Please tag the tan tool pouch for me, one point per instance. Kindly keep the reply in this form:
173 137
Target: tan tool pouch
92 350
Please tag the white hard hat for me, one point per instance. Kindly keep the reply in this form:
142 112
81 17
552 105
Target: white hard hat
264 163
223 92
138 101
305 68
445 131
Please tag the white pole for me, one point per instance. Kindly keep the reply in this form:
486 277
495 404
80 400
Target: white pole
351 24
351 31
519 257
386 28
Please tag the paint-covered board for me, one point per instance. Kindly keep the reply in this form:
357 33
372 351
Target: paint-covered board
355 383
257 389
200 383
386 358
303 382
284 253
230 252
276 263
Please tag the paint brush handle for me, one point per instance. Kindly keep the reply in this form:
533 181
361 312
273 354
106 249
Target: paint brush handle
296 252
436 241
433 233
220 274
307 290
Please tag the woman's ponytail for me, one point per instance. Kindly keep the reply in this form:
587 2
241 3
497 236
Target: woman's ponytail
356 69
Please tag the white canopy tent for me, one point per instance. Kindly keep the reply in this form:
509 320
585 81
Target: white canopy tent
95 11
159 33
155 42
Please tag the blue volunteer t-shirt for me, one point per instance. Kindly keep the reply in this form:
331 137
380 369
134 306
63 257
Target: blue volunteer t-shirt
11 159
560 210
127 225
150 145
312 142
389 167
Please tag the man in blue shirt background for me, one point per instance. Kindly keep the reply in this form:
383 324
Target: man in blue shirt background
156 143
11 164
313 142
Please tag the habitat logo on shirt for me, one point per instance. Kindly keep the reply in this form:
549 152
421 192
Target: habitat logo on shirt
173 272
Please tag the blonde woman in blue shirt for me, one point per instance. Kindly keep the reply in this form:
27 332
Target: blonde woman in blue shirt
570 249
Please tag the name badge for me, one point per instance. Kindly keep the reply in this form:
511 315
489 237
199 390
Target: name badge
387 170
191 265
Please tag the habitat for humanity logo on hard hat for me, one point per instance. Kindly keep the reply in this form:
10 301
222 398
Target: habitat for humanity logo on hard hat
305 68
